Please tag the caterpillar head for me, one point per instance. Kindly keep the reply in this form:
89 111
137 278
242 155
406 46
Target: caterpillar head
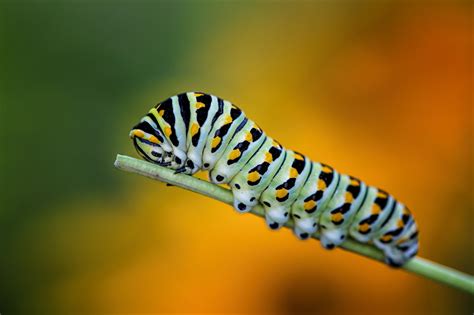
150 143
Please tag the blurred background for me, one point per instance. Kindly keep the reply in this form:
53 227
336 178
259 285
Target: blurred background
381 90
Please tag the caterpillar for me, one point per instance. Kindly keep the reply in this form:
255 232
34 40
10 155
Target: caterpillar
197 131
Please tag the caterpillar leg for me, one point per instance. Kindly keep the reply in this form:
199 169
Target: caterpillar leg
249 183
398 236
337 216
284 189
312 198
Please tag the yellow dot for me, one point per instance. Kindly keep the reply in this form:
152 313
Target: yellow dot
168 131
386 238
376 209
268 157
321 184
215 142
249 137
382 195
138 133
198 94
194 129
253 176
293 172
228 120
154 139
326 169
400 223
200 105
299 157
355 182
281 193
349 198
337 217
161 112
309 205
364 227
234 154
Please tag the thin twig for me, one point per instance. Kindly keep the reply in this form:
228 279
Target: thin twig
417 265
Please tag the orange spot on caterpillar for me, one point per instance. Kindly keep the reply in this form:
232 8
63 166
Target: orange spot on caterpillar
138 133
337 217
309 205
293 173
364 227
234 154
375 209
321 184
253 176
215 142
154 139
168 131
281 193
194 129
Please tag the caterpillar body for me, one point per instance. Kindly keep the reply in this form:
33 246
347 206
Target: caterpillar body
196 131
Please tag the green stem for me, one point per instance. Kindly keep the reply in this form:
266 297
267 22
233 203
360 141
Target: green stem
417 265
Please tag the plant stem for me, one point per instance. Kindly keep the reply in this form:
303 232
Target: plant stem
417 265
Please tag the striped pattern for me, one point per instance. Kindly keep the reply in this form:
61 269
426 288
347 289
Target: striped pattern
197 131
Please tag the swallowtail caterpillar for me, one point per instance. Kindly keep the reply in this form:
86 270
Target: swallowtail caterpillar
196 131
